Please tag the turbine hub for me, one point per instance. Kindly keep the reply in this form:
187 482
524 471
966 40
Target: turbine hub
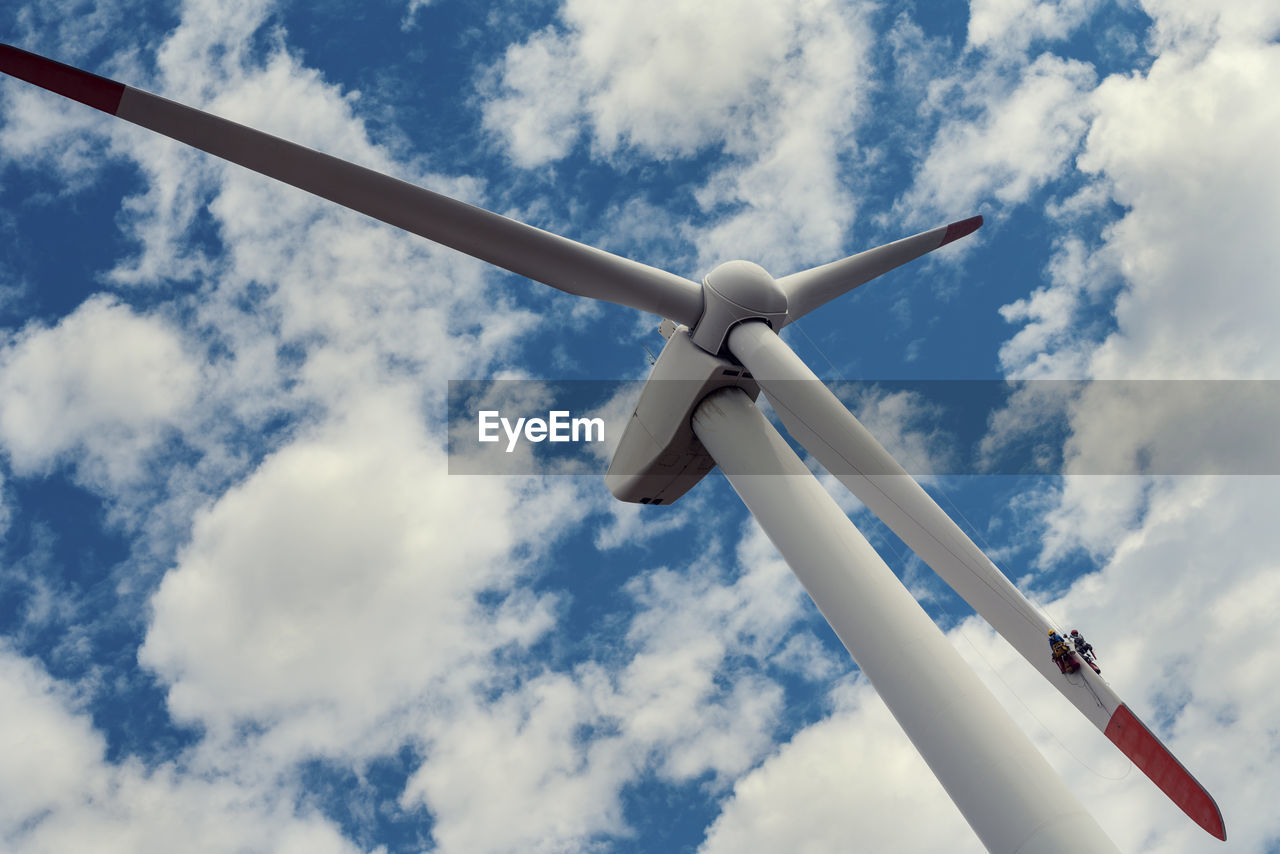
733 292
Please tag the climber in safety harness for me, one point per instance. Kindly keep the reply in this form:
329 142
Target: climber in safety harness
1061 651
1084 648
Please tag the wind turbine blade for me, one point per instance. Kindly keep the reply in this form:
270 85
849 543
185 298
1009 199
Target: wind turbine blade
817 286
820 422
1002 785
544 257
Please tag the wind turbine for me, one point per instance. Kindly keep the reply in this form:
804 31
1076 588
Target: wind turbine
697 410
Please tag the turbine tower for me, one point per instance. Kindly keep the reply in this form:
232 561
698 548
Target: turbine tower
722 350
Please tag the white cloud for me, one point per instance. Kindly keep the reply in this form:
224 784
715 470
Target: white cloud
539 114
1050 344
1093 513
410 15
1189 270
105 382
904 422
57 792
29 140
776 86
543 767
517 775
1185 148
667 80
338 582
1008 27
804 654
45 747
1198 23
791 204
852 776
1029 126
634 523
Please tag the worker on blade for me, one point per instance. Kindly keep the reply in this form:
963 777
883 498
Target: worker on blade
1082 646
1061 652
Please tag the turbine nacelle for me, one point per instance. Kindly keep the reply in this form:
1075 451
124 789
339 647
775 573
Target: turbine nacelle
658 458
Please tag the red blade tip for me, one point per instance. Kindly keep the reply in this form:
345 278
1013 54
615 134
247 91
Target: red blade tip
97 92
957 230
1149 754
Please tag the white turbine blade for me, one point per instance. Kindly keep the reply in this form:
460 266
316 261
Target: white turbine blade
1002 785
817 286
548 258
821 423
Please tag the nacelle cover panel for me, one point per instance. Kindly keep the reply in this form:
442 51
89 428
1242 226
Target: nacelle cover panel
658 458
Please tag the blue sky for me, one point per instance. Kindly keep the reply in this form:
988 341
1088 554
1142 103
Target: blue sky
245 607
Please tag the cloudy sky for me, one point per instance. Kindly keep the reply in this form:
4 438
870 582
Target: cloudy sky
244 605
